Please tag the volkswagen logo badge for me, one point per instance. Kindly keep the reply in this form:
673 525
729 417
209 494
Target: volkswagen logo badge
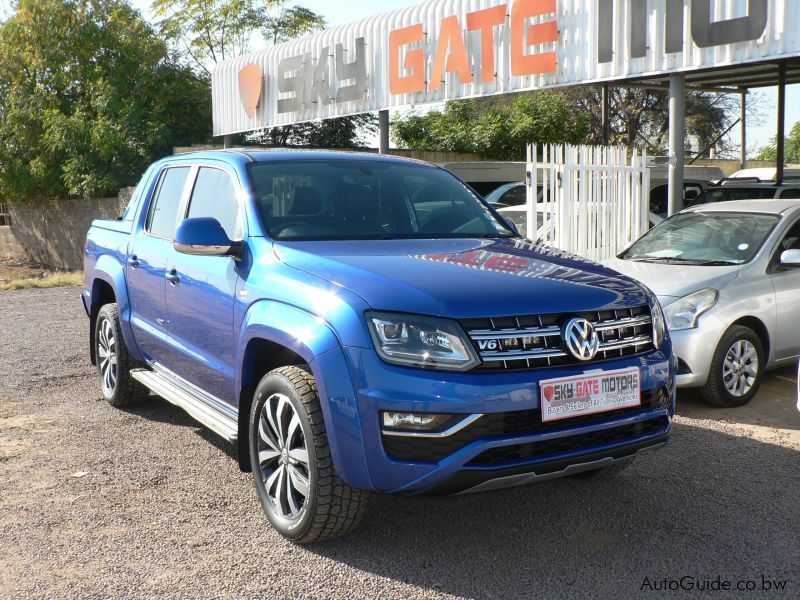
581 339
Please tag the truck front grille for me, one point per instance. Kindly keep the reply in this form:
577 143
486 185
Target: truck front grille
530 342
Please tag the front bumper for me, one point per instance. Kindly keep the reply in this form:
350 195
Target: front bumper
695 348
522 453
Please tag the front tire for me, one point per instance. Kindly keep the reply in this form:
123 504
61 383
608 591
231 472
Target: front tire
737 368
114 363
303 498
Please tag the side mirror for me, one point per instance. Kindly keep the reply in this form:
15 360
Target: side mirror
204 236
790 259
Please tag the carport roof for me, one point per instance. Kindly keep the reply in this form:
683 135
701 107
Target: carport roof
743 76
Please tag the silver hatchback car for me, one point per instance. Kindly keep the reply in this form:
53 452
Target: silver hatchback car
728 278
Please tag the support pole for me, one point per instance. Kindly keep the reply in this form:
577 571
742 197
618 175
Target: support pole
606 118
743 120
383 123
677 141
227 141
781 141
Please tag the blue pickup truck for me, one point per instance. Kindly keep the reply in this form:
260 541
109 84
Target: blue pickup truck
357 323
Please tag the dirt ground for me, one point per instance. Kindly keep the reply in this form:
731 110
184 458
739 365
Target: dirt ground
141 503
11 270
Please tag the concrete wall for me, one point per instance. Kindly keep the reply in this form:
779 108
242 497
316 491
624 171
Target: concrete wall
53 233
731 166
9 246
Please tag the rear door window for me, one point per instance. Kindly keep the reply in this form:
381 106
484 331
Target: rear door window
215 196
791 194
164 208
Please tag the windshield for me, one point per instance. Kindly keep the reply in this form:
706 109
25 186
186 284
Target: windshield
365 199
706 238
723 194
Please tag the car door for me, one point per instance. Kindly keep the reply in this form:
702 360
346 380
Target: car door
787 297
200 294
146 270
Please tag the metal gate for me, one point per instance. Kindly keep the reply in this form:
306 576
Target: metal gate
588 200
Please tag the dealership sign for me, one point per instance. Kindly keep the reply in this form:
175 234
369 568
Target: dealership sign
450 49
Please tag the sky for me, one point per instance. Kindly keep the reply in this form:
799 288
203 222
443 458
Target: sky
338 12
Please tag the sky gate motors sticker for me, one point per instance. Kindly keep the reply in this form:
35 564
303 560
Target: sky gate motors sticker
588 394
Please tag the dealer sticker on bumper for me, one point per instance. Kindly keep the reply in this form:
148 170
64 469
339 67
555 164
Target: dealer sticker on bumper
589 394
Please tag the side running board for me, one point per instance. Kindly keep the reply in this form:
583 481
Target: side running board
200 409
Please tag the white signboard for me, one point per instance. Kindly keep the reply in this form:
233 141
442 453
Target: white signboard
450 49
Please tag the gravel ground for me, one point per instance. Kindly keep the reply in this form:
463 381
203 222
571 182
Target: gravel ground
97 502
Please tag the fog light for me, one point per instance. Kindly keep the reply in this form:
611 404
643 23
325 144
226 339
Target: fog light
414 421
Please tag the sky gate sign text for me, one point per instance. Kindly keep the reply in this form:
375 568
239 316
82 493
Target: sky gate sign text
427 54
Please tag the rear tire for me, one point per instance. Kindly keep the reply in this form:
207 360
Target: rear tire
303 498
602 473
737 368
114 363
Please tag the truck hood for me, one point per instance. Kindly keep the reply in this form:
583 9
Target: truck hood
463 278
670 282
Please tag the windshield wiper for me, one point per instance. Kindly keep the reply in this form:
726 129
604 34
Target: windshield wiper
673 260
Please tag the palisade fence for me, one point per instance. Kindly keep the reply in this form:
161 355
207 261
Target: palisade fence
594 200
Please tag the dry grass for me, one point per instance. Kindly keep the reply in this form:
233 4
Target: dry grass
50 281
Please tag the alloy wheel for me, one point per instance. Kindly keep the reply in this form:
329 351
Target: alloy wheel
107 357
740 368
283 457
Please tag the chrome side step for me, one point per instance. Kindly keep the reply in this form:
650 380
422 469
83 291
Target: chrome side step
200 409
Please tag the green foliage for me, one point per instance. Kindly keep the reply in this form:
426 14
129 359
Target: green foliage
210 31
340 133
791 147
281 22
640 117
493 129
89 96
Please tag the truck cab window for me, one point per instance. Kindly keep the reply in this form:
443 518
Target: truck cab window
215 196
164 209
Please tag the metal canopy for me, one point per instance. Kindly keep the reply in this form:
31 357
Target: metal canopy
745 76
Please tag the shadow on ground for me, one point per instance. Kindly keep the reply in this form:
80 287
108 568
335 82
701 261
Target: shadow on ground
708 504
774 406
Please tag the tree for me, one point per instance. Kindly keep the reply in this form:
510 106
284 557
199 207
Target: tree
89 96
342 133
494 128
791 147
640 117
210 31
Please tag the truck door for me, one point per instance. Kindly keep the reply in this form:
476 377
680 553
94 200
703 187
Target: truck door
147 263
201 292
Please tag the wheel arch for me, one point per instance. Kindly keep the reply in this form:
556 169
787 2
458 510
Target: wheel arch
102 293
275 335
760 329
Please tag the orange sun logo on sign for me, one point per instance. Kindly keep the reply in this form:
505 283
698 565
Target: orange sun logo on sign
250 88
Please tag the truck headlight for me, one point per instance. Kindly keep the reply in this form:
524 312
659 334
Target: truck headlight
419 341
684 313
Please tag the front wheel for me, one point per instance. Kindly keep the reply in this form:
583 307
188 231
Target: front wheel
737 368
299 491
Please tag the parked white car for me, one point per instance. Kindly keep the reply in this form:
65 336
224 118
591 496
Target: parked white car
728 278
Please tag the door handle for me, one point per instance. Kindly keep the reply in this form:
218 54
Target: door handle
133 261
173 277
